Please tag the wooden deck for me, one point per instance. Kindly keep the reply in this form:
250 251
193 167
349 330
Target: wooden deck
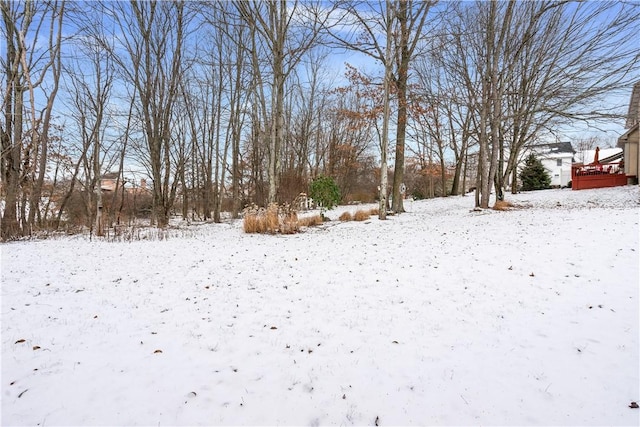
600 176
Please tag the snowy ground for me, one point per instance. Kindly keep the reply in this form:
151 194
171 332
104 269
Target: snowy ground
439 316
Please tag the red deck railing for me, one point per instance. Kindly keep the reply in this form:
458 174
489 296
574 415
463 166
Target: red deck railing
597 176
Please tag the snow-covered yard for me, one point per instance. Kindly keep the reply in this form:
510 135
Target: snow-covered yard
439 316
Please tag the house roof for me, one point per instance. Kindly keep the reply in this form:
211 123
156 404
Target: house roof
625 136
110 175
554 148
605 155
633 115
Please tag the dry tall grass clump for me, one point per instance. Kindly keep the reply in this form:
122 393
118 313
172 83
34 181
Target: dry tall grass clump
289 223
361 215
252 223
275 219
374 211
261 220
345 216
272 218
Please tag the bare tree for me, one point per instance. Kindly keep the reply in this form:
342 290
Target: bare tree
384 141
288 31
407 19
152 58
25 132
91 80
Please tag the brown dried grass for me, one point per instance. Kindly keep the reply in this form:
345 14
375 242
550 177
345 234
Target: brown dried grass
272 220
503 205
290 223
276 219
251 223
310 221
361 215
345 216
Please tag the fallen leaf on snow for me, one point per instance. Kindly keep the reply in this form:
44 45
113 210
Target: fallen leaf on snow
158 351
20 341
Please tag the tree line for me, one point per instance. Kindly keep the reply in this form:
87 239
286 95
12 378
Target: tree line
218 104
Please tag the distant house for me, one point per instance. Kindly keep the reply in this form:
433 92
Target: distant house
630 139
556 158
108 181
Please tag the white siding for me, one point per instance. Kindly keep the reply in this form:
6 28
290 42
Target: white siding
560 175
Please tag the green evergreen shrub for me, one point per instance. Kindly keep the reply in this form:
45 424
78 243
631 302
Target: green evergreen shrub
325 192
534 176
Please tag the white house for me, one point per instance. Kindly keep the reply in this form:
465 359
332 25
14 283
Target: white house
556 158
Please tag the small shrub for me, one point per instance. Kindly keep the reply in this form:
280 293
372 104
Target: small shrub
346 216
325 191
361 215
374 211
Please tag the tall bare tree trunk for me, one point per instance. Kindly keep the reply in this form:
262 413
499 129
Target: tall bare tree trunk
384 143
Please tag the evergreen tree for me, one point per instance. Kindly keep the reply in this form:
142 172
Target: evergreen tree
325 191
534 176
